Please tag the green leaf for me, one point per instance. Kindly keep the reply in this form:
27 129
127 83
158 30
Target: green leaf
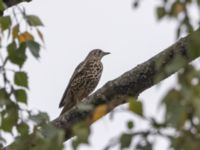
17 55
51 132
34 20
130 124
136 106
176 111
125 140
21 95
23 128
5 22
9 120
21 79
160 12
176 63
2 6
82 133
4 98
40 118
186 140
194 44
34 48
146 146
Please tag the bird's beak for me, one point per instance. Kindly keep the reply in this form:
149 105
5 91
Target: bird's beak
106 53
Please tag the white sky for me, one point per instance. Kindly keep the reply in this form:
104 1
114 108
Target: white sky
72 29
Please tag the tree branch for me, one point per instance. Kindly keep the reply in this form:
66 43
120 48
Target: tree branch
131 83
11 3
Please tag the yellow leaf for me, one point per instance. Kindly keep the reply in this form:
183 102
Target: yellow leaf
99 112
179 7
25 36
15 31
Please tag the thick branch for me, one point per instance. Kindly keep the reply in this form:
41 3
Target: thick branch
132 83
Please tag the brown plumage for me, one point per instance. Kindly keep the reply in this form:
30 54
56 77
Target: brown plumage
84 80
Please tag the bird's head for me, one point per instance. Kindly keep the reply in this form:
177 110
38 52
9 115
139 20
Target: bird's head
97 53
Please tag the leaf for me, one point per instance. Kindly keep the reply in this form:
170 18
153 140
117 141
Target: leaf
160 11
125 140
82 132
21 79
40 35
23 128
17 55
21 95
4 97
136 106
194 44
99 112
34 20
34 48
2 6
130 124
9 120
176 111
5 22
25 36
40 118
51 132
175 63
15 31
186 140
177 8
146 146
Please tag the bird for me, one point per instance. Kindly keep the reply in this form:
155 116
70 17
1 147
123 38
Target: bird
84 80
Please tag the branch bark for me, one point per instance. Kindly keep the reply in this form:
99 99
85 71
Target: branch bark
132 83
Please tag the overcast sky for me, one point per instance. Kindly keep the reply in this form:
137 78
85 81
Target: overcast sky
72 29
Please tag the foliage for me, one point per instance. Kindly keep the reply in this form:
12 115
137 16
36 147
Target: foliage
179 11
181 123
182 117
19 35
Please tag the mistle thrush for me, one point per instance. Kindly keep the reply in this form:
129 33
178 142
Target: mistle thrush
84 80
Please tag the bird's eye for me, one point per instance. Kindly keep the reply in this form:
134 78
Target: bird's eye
99 52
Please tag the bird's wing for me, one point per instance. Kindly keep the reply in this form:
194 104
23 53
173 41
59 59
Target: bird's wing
78 69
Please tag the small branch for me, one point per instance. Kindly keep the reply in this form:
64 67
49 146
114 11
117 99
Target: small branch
151 132
11 3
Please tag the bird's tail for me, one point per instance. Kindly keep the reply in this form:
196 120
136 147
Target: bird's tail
67 107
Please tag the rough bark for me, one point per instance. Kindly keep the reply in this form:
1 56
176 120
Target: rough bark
131 83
